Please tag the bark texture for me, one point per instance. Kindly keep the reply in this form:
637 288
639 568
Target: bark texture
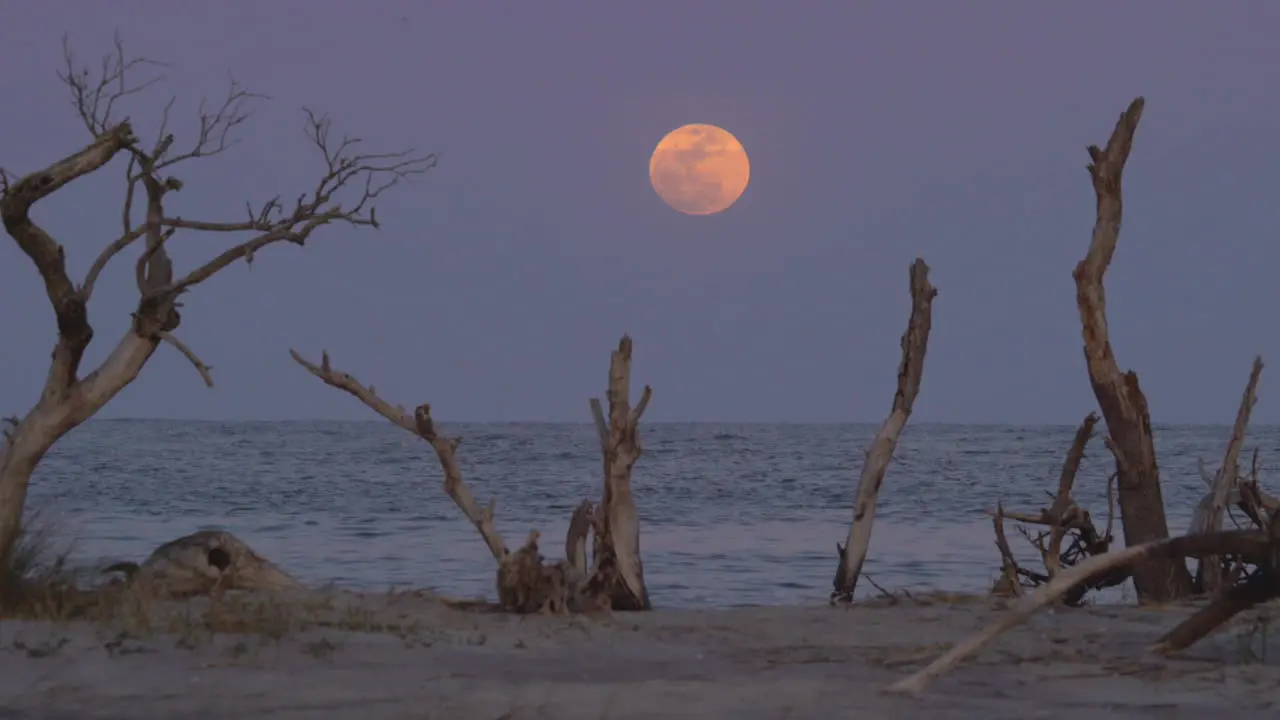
915 342
1119 396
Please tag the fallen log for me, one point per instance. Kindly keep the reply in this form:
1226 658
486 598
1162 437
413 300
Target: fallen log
202 563
1254 546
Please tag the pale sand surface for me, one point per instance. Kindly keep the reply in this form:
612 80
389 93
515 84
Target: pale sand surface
417 658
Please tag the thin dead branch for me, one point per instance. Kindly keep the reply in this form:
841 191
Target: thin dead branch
1119 396
915 343
1008 585
1063 504
1210 574
424 427
201 368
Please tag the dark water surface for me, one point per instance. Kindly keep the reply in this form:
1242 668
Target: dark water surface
731 514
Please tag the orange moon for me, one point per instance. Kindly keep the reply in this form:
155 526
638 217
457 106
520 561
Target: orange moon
699 169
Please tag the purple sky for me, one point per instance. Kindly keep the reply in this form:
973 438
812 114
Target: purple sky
877 132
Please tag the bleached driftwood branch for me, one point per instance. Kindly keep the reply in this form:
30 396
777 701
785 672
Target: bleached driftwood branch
1209 514
1253 546
424 427
915 342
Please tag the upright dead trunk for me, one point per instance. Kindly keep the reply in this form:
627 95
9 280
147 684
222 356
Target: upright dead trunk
1123 405
618 536
915 342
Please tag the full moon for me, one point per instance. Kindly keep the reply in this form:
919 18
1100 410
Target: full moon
699 169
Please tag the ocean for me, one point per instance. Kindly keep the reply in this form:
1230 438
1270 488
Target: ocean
731 514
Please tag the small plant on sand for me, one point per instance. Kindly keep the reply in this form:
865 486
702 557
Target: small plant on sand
35 582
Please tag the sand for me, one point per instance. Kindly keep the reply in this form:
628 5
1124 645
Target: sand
407 655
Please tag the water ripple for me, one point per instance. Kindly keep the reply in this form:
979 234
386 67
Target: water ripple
732 514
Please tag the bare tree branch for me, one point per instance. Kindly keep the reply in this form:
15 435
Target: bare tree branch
422 426
74 331
95 97
1063 504
191 356
1209 570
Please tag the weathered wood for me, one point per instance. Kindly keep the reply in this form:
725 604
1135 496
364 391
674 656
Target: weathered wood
1062 503
525 583
619 570
343 193
915 343
1119 396
1233 600
423 426
575 541
202 563
1208 518
1008 585
1253 546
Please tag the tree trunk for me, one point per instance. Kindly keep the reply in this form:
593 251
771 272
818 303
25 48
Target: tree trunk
620 544
24 447
55 416
1123 405
915 341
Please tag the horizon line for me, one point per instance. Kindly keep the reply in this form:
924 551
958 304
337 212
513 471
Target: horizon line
947 423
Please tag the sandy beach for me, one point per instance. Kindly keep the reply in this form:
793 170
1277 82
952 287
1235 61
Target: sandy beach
408 655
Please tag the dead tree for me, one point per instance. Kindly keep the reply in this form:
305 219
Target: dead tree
1211 576
617 547
347 184
1259 547
1066 520
1142 513
525 582
915 342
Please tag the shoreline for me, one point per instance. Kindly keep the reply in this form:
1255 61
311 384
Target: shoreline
411 654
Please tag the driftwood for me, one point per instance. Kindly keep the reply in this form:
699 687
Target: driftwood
525 582
1261 548
619 571
1123 405
1065 518
1210 574
1009 584
347 183
915 342
202 563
